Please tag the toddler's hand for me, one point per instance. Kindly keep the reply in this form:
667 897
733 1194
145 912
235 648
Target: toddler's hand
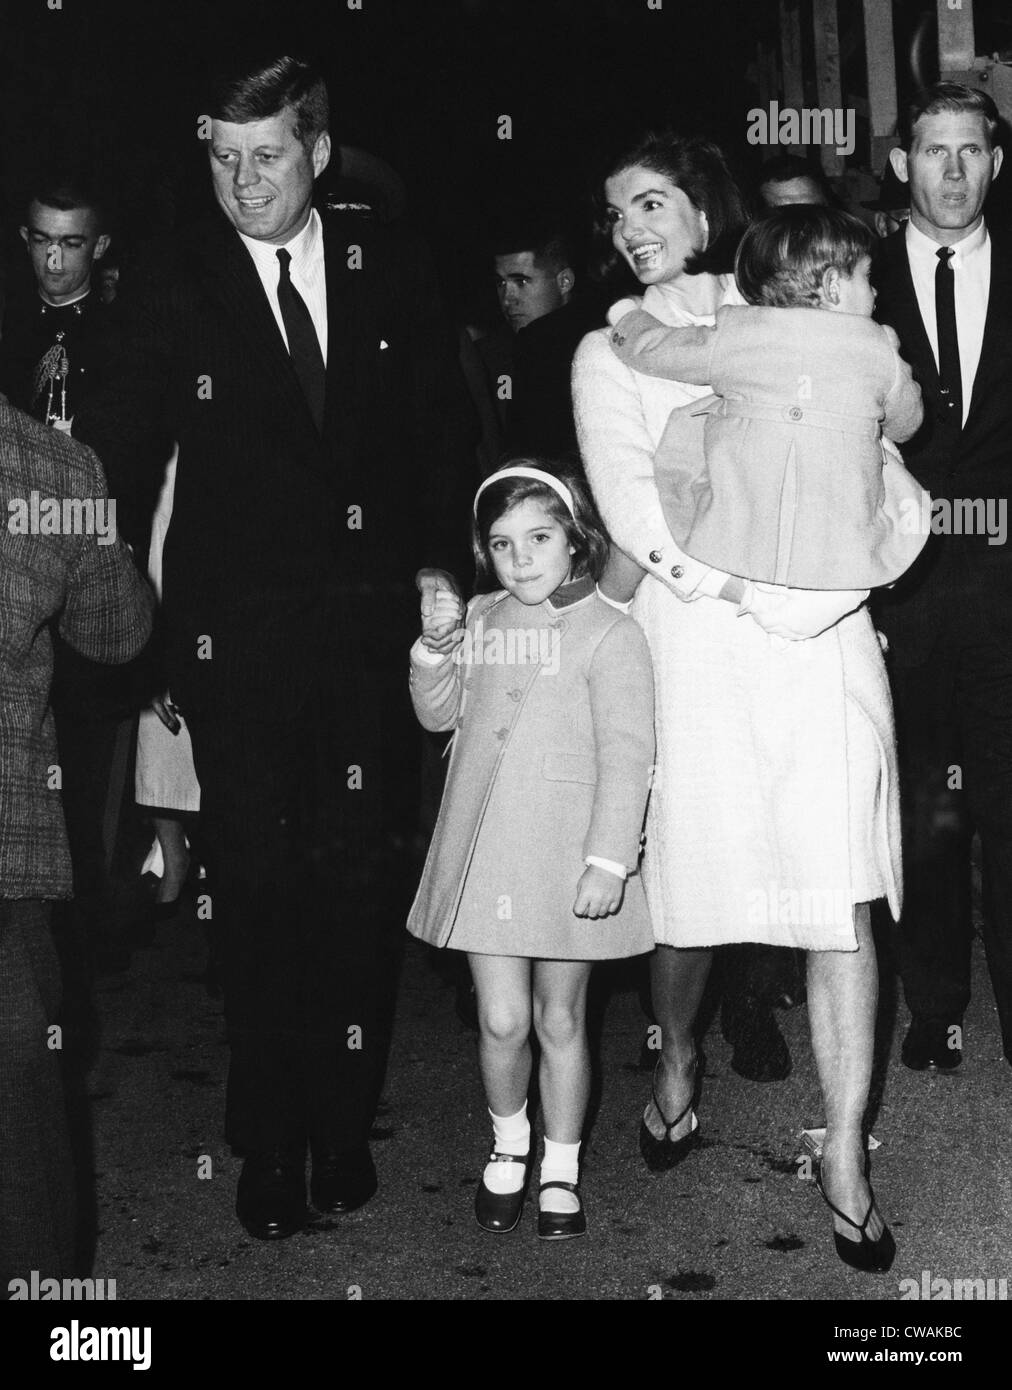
599 893
441 630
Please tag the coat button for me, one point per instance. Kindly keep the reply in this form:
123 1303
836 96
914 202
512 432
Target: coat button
655 557
677 571
514 694
502 733
795 413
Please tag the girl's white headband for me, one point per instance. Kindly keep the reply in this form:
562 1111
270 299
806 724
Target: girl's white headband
539 475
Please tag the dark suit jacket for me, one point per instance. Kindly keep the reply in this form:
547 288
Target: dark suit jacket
954 572
275 529
539 418
98 602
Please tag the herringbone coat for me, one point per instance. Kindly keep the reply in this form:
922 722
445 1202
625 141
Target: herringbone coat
100 605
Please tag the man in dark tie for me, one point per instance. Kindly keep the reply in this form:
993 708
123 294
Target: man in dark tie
309 375
946 288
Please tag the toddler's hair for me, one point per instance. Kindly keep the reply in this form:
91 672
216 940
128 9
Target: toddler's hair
585 533
785 253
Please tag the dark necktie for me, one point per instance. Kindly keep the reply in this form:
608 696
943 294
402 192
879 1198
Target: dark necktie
949 375
303 344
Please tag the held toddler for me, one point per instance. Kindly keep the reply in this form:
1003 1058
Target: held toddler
795 484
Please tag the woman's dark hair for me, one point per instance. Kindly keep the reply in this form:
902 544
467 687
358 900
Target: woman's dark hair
254 91
698 168
585 533
786 252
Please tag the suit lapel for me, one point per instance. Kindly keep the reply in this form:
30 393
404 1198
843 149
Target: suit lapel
901 310
231 279
992 369
344 328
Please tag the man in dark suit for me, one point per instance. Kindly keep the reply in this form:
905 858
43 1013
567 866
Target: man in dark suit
549 316
946 288
309 375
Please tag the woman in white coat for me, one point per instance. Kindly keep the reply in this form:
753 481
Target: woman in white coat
773 816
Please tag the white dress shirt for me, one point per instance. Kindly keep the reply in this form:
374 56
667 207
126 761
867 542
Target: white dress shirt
971 265
307 269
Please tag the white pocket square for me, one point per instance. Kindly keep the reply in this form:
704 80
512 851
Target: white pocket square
383 344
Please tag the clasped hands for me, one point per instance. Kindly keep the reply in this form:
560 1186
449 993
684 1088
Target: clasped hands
442 610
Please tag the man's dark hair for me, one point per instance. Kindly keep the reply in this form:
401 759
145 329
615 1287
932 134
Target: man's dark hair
698 168
786 252
548 246
784 168
67 192
948 98
261 90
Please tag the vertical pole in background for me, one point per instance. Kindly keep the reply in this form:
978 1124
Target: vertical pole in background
827 74
881 59
956 42
790 58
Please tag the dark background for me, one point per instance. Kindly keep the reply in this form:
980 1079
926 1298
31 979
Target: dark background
419 82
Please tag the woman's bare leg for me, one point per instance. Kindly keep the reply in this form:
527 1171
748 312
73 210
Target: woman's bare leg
842 1001
677 981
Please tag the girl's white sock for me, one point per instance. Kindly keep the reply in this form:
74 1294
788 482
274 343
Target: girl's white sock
561 1163
512 1136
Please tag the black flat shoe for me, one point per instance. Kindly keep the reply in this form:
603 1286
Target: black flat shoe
562 1225
869 1256
926 1046
342 1180
499 1212
271 1197
661 1154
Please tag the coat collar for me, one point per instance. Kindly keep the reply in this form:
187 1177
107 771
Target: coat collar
566 595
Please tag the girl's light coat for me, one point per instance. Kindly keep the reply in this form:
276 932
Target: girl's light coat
551 761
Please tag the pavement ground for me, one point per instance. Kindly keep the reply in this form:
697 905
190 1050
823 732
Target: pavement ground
734 1222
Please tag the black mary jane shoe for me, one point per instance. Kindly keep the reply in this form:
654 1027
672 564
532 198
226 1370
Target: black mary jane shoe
499 1212
661 1154
562 1225
869 1256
